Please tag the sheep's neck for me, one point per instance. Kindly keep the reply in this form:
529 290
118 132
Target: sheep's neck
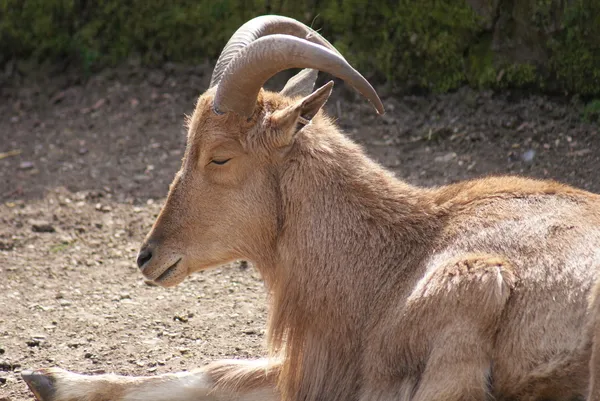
349 230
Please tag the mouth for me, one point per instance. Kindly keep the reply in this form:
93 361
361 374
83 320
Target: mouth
167 274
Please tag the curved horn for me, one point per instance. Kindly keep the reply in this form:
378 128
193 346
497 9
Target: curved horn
265 57
255 29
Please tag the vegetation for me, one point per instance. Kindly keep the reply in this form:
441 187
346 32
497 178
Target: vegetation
591 111
433 44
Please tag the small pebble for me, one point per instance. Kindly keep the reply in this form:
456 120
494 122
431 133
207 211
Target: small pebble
528 155
180 318
42 226
6 366
445 158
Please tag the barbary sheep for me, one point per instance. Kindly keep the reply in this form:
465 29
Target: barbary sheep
379 290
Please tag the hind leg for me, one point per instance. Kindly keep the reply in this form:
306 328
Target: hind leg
458 368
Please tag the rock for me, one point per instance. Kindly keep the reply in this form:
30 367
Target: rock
33 343
528 156
42 226
26 165
445 158
57 98
141 178
7 366
103 208
580 152
180 318
99 103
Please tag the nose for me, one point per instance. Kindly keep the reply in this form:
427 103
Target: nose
144 256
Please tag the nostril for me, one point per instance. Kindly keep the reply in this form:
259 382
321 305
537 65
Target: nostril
144 256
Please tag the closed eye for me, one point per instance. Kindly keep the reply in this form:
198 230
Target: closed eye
220 162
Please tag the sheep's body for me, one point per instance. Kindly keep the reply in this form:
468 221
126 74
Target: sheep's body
380 291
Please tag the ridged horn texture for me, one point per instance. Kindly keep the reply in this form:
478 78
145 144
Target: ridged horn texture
245 68
255 29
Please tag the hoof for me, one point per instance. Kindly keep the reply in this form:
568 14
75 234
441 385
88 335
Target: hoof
40 383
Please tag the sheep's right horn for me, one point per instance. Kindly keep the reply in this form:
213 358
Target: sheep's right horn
255 29
260 60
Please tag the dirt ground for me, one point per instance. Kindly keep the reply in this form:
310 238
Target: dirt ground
85 165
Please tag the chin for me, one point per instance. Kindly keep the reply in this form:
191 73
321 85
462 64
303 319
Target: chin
175 275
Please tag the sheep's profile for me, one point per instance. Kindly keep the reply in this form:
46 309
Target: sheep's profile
379 290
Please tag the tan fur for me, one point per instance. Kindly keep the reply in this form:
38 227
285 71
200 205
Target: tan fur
381 290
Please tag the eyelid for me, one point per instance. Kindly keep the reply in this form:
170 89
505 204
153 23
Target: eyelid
220 162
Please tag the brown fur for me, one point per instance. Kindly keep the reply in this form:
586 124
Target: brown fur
381 290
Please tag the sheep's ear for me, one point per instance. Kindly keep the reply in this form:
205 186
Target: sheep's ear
289 121
301 84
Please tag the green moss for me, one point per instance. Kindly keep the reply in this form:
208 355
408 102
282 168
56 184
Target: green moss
481 71
485 71
105 33
415 43
591 111
576 50
433 44
518 76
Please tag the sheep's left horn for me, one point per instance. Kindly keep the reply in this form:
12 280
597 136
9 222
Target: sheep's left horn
241 82
255 29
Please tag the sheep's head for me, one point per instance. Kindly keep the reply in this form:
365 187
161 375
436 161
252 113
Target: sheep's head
224 203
